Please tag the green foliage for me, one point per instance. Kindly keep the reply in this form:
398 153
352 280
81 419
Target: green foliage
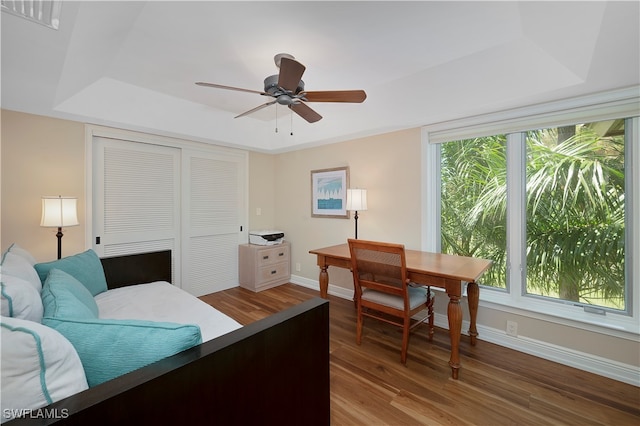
474 202
575 216
575 211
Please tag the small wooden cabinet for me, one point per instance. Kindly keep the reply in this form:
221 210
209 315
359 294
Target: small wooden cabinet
263 267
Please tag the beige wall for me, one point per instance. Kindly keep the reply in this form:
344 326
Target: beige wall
40 156
44 156
262 191
387 166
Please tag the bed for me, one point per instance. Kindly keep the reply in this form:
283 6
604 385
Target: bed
273 371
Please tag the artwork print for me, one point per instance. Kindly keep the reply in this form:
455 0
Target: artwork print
329 192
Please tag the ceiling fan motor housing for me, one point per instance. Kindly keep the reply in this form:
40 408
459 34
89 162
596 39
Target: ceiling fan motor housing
271 86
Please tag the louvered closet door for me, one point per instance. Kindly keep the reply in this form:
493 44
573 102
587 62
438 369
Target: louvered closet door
213 188
136 199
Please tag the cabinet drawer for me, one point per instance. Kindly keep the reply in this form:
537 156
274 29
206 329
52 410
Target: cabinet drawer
273 272
273 255
263 267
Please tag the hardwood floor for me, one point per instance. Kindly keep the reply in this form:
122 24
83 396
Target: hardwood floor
497 386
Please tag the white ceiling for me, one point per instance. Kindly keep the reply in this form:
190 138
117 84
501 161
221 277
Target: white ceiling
133 65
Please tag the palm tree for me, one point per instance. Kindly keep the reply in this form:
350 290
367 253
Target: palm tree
575 215
474 216
575 210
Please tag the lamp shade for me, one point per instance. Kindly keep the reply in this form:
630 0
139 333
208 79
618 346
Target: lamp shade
356 199
59 211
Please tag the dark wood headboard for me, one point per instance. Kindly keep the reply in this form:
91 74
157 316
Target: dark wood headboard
140 268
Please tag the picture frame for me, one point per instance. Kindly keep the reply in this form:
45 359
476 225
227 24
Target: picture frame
329 193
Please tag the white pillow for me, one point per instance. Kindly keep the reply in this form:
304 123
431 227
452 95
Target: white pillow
20 299
16 249
39 366
17 266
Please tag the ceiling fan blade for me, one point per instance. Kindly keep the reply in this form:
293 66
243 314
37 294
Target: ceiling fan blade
290 74
255 109
305 112
220 86
354 96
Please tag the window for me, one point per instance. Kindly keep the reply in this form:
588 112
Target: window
474 202
553 207
575 210
575 223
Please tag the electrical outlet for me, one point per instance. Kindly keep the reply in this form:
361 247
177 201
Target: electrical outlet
298 267
258 211
512 328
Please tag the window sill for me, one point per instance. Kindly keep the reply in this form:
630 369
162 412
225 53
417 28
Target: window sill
611 324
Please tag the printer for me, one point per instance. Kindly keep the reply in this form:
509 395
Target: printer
266 237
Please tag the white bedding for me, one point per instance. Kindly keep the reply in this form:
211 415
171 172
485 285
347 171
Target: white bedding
161 301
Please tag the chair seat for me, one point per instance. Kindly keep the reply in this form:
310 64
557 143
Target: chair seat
417 296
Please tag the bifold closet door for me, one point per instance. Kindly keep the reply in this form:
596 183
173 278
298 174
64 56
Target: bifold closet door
214 204
136 199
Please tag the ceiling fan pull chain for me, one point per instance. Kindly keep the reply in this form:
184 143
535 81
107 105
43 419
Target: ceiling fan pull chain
276 118
291 115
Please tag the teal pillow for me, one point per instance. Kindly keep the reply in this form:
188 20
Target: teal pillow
63 296
109 348
85 267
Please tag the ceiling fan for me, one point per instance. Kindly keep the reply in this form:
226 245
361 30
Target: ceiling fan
287 88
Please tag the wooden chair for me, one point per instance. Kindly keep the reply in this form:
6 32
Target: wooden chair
383 291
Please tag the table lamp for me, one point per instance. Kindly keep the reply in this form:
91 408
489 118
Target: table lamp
58 212
356 201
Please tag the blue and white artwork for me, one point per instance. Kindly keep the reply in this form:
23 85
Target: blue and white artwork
330 193
329 189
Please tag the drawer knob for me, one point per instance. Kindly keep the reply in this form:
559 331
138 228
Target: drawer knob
265 257
280 254
273 272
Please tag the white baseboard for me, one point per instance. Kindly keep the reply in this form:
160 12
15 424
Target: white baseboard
314 285
583 361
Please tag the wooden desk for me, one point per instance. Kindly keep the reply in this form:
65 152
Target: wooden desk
434 269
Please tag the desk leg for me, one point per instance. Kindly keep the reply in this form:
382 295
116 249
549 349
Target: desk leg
473 297
454 314
324 281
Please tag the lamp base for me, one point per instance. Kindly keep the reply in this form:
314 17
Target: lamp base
59 235
356 219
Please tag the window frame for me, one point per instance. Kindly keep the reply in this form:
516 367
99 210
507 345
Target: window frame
515 123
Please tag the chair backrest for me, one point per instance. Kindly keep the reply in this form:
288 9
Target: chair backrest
379 266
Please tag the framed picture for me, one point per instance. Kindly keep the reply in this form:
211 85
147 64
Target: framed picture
329 192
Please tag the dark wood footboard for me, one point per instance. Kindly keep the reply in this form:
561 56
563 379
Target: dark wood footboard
273 371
